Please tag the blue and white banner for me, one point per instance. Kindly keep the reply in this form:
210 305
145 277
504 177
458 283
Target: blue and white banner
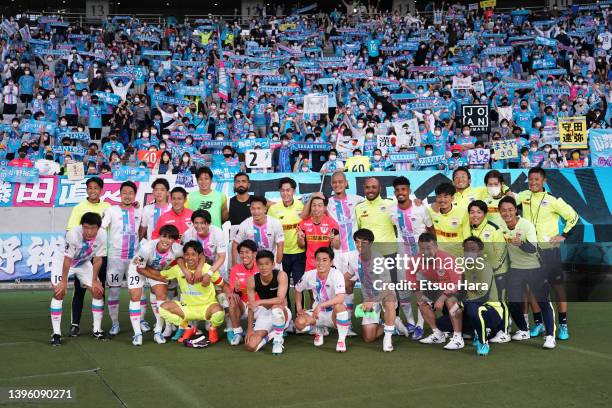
311 147
431 160
125 173
170 100
247 144
72 150
109 98
403 157
29 256
82 136
13 174
600 145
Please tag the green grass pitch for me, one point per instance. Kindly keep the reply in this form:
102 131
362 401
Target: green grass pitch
116 374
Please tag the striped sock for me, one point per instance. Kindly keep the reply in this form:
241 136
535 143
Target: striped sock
135 314
56 315
278 324
348 301
389 331
113 304
143 306
97 308
343 323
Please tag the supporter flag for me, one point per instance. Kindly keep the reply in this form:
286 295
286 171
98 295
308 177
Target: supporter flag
223 82
224 86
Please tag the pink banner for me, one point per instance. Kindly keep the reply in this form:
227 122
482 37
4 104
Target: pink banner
40 194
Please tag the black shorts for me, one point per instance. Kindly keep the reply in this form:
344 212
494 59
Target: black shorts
553 268
9 109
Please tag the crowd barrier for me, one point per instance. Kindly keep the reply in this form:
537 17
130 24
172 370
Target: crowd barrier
28 255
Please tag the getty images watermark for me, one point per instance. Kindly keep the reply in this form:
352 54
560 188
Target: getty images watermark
417 268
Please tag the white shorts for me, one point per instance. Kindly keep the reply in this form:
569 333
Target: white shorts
116 270
137 281
347 262
325 319
83 271
263 319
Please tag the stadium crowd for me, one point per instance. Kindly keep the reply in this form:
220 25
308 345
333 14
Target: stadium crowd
325 93
192 91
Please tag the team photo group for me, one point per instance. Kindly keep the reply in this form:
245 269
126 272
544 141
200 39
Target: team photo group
188 115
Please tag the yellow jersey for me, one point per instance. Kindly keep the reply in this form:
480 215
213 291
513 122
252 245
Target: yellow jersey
520 259
84 207
289 218
468 195
495 245
375 215
544 211
195 295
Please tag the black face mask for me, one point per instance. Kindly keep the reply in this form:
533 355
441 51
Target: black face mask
22 155
227 155
49 157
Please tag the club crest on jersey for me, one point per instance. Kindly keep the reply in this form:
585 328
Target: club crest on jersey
454 222
545 203
324 229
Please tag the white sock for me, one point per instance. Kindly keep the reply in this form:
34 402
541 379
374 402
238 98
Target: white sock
526 316
278 324
143 305
457 334
348 302
113 304
389 331
159 322
238 330
343 323
420 320
407 308
97 308
437 332
135 315
56 315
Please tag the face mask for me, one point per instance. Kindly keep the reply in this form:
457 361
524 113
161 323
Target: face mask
227 155
63 123
494 191
534 149
437 132
145 135
166 137
185 159
377 157
378 106
428 152
22 155
466 133
39 97
332 157
547 149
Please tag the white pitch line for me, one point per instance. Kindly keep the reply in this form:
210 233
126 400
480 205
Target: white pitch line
17 343
176 387
587 352
27 377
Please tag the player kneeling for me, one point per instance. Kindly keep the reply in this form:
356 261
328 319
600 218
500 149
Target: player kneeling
373 300
152 257
198 300
438 268
85 247
268 314
327 286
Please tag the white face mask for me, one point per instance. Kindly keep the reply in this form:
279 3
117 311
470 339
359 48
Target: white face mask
63 123
553 156
377 157
332 157
428 153
494 191
437 132
466 133
166 137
